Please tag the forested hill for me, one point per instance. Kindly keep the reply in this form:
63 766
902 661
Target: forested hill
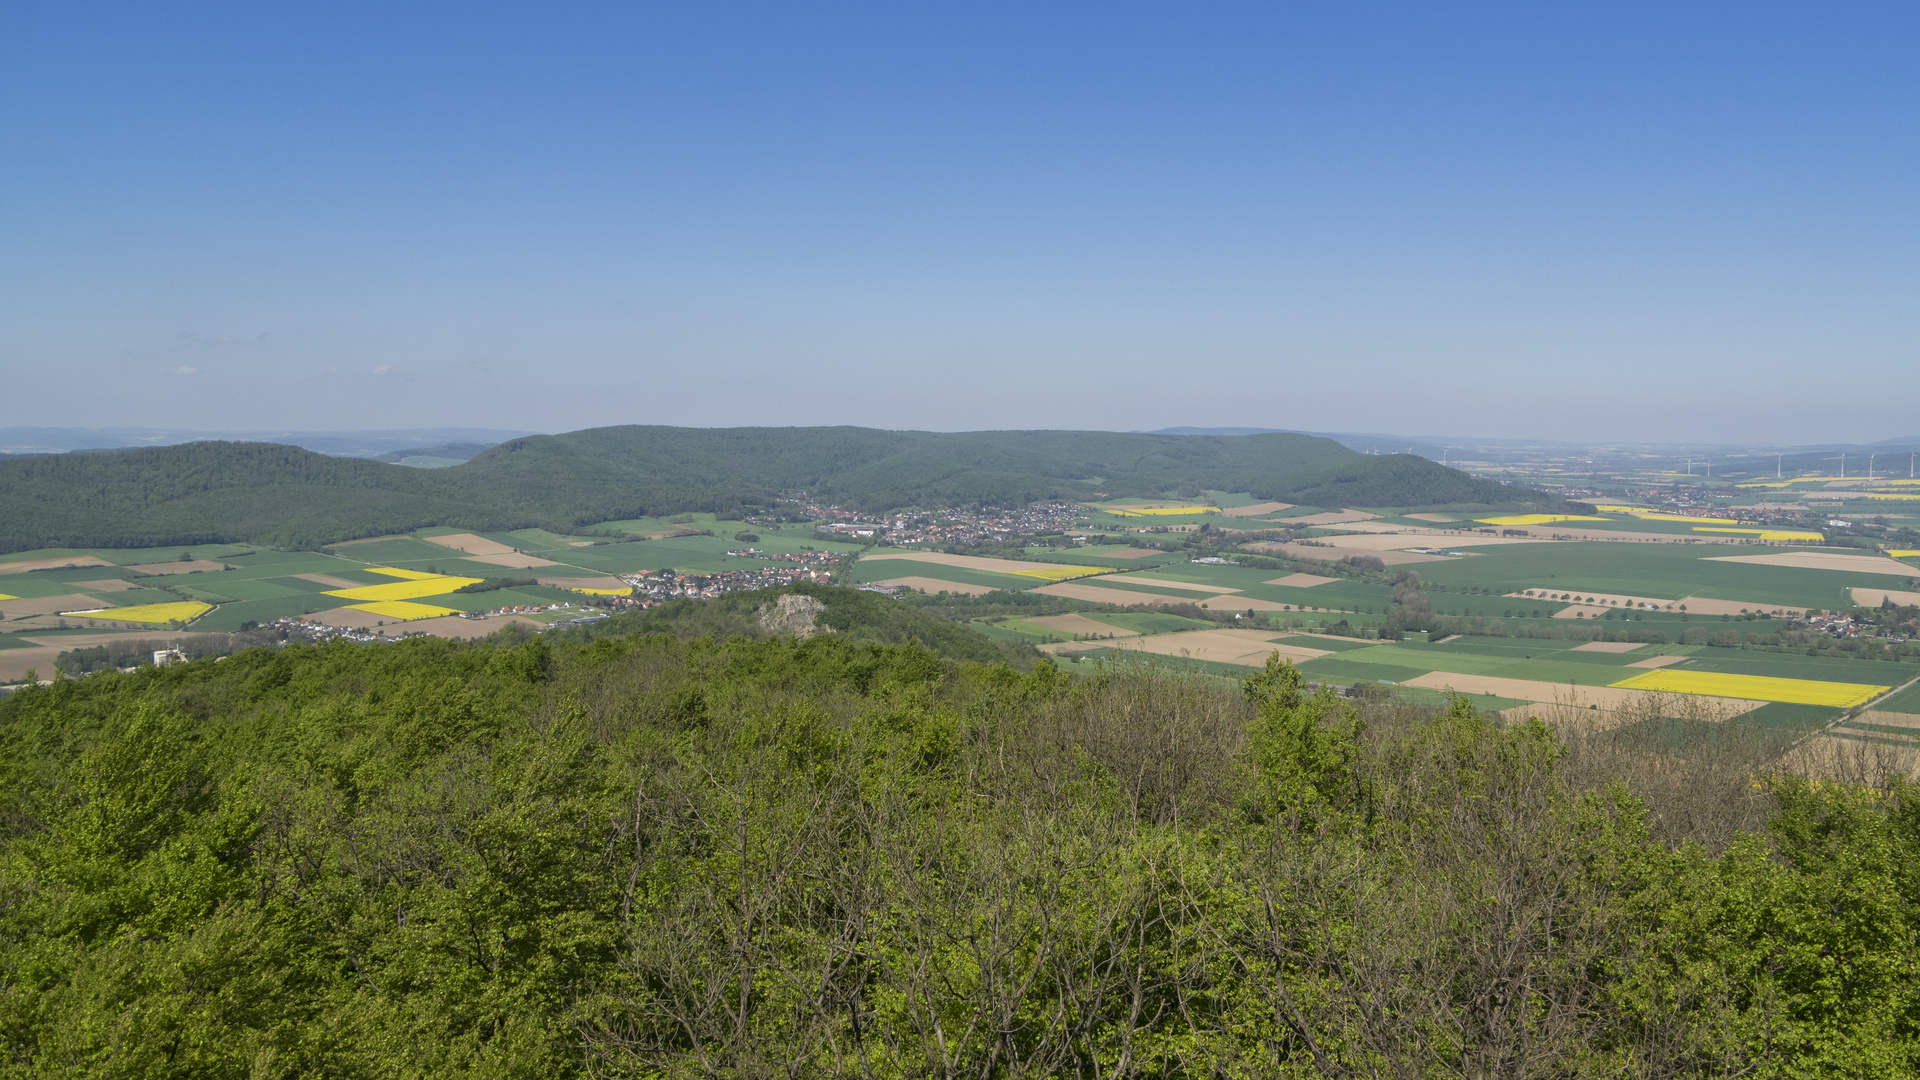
217 491
640 857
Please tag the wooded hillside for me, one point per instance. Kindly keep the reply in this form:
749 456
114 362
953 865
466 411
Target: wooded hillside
647 857
213 491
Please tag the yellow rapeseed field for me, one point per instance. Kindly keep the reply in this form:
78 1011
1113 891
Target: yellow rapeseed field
8 596
1158 511
1768 534
1898 553
1838 695
400 609
1536 519
414 587
183 610
601 592
1061 573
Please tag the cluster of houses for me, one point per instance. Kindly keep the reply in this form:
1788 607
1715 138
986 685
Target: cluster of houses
953 525
660 586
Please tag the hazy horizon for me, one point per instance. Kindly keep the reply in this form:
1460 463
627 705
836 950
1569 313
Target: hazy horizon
1623 224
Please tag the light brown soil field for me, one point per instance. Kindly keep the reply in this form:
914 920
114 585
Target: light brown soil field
1657 661
1438 518
471 544
1607 697
513 559
452 626
1096 594
1706 605
1873 597
331 582
49 605
1256 510
1581 611
1080 624
936 585
15 663
162 569
1184 586
1059 648
1338 517
63 562
1598 599
1335 554
966 562
1248 647
1467 534
112 584
584 582
1239 603
1822 560
1889 719
1608 646
1301 581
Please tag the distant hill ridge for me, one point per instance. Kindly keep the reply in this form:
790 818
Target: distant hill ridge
210 492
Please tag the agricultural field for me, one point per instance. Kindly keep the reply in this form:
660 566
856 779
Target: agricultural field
381 583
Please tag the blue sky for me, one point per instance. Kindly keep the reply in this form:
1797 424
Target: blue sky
1606 221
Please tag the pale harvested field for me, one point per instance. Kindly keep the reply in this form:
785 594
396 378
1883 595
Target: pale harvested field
1873 597
1249 647
1821 560
1239 603
966 562
1608 646
1540 534
1889 719
161 569
1186 586
584 582
1080 624
330 582
15 663
936 585
48 605
1582 611
1440 518
1058 648
1257 509
112 584
513 559
1301 581
1096 594
1696 605
1335 554
471 544
63 562
1706 605
452 626
1607 697
1339 517
1657 661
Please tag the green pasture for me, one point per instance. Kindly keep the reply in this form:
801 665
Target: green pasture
1905 701
391 552
1148 622
1799 666
229 617
1666 571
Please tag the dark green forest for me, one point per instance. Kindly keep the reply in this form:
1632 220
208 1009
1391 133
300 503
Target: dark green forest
213 492
645 856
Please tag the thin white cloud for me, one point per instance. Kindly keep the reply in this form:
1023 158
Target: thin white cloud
184 370
381 369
